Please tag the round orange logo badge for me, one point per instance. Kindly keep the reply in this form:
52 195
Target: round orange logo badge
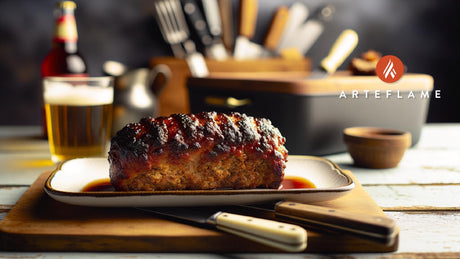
390 69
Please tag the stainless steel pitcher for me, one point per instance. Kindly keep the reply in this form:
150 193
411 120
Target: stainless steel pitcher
135 92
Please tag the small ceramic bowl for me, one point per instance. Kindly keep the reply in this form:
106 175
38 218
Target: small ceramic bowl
376 147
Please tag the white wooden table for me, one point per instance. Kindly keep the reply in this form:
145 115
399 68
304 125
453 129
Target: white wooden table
422 194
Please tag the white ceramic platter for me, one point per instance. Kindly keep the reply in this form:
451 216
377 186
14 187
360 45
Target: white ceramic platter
66 182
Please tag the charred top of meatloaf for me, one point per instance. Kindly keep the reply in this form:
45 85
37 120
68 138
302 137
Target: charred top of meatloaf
181 135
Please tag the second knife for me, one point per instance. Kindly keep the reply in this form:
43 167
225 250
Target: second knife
377 228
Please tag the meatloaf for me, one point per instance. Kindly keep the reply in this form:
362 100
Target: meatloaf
201 151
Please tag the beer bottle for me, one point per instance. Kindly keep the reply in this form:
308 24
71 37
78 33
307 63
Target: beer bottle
64 59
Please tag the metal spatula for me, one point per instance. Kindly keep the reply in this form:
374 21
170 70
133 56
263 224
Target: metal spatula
173 27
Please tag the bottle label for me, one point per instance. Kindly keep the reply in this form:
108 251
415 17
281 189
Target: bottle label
66 29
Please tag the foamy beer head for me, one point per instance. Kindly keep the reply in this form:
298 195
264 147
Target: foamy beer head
78 93
79 116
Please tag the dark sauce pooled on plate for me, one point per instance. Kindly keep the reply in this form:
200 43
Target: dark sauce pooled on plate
99 185
289 182
296 182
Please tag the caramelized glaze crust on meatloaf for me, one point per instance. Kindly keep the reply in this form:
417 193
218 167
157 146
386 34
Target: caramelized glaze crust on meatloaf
201 151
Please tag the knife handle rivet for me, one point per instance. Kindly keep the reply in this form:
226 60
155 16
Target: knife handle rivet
331 210
291 204
280 226
249 220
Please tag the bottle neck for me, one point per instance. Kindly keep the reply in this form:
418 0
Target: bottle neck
65 33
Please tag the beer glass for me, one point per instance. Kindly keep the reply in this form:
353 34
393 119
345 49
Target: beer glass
78 116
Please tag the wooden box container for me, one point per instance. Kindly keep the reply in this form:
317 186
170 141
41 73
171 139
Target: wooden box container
312 113
174 97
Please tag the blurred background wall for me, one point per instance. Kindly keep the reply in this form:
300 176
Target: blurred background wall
424 34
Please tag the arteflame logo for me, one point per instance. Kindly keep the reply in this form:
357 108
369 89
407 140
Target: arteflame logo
390 69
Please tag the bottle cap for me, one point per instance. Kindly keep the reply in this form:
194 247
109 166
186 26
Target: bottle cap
67 5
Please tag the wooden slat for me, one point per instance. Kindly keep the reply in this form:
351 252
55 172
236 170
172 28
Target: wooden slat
19 131
10 195
428 232
23 169
416 197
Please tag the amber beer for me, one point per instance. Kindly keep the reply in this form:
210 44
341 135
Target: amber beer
79 116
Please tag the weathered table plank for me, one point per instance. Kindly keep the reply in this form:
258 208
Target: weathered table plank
428 232
416 197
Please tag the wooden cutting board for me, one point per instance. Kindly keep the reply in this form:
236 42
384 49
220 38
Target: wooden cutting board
39 223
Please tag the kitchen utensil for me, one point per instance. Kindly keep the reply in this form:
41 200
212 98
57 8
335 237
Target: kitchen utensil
212 14
213 49
298 13
276 28
226 15
173 27
378 228
376 147
312 29
286 237
135 92
244 48
343 46
173 35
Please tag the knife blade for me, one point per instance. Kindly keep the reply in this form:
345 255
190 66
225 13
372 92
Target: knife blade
244 48
313 28
377 228
284 236
214 48
341 49
298 14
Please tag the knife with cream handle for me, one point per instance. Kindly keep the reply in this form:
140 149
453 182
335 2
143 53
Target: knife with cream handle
283 236
343 46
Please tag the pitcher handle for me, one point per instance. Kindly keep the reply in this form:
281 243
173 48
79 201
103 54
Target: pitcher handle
159 77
